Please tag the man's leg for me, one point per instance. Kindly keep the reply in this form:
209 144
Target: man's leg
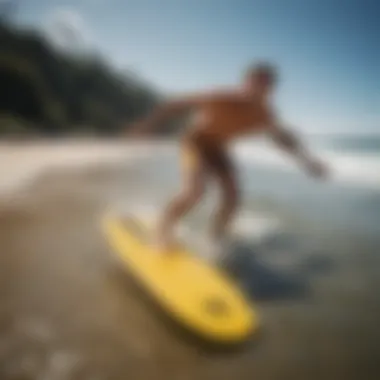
181 204
229 201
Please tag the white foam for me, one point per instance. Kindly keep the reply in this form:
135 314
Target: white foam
255 226
347 168
23 164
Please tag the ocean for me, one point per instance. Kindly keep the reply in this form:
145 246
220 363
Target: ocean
349 197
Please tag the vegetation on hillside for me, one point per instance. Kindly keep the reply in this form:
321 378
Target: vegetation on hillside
45 91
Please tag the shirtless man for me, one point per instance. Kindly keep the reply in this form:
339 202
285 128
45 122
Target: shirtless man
221 117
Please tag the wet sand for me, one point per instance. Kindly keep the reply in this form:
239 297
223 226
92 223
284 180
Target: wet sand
66 311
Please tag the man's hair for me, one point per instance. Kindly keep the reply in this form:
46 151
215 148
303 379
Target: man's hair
263 68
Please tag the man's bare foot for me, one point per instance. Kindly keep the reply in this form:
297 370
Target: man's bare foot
211 248
164 244
217 249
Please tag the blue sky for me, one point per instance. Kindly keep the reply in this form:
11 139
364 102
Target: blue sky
328 51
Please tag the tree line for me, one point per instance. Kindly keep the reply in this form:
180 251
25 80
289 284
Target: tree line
46 91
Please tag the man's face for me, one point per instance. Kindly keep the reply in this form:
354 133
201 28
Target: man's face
258 83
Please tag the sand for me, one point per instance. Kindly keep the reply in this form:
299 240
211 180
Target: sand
66 311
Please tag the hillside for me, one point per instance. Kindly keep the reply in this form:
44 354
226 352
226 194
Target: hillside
45 91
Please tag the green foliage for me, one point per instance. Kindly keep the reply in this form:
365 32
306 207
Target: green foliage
12 126
58 92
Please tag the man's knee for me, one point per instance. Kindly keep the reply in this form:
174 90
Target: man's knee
192 195
230 198
196 193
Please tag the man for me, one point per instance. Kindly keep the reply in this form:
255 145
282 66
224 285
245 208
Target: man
221 117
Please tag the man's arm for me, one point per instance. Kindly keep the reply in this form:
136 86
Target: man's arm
171 109
290 143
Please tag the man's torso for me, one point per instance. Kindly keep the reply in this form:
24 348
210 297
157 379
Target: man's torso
229 117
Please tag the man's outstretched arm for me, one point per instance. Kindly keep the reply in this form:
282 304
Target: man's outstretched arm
289 142
172 109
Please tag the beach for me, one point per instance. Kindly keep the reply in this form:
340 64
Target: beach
66 311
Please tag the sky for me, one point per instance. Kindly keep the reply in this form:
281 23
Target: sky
327 51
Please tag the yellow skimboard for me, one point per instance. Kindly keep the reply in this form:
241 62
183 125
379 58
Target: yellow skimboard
193 293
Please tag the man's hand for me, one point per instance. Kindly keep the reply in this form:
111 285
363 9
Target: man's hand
317 169
138 129
290 143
